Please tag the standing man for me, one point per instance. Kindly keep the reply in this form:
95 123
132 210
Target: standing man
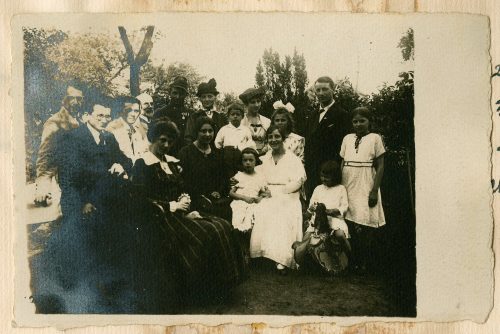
207 93
147 110
176 111
67 118
128 131
325 130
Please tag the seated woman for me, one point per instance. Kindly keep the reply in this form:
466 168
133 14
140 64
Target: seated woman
202 250
278 218
204 171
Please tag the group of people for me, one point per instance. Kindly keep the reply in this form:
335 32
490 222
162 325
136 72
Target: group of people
160 207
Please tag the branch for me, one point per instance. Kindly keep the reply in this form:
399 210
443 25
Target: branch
128 47
124 66
147 45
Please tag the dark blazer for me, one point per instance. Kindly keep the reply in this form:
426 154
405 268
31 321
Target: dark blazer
219 119
323 140
84 176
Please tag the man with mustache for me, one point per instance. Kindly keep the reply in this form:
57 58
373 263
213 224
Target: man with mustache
67 118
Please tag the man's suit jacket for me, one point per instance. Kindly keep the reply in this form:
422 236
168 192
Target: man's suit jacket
84 175
323 140
47 160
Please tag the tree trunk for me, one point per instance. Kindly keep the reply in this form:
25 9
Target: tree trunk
134 79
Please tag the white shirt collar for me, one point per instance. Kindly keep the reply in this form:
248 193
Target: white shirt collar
151 159
327 107
95 133
230 125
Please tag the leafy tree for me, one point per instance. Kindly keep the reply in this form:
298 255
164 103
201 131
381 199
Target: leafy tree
158 79
407 45
91 59
283 80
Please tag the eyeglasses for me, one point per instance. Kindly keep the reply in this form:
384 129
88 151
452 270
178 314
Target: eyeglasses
78 98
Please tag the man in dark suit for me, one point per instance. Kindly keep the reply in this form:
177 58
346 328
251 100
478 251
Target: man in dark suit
325 130
176 110
92 246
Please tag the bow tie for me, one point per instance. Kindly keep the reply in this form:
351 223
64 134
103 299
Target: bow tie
256 125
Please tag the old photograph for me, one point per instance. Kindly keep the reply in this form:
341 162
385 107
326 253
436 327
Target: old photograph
220 164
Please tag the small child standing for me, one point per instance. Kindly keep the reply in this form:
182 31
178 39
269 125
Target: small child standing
362 155
251 187
234 137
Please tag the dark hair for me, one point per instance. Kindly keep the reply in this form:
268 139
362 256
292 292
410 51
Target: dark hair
127 99
164 127
327 80
363 112
236 106
331 168
249 150
282 111
271 130
202 120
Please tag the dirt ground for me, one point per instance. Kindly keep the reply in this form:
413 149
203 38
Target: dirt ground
266 292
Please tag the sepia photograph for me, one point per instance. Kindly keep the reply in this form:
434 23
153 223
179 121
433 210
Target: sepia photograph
219 164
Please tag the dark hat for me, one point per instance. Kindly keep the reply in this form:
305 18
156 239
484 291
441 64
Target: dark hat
207 88
236 105
180 82
251 93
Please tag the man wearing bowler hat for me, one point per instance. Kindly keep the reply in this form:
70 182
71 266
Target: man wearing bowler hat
207 93
176 111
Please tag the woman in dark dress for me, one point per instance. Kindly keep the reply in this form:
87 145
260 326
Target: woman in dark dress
203 171
202 251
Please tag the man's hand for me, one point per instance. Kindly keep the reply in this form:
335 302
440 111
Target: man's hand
215 195
88 209
43 199
117 169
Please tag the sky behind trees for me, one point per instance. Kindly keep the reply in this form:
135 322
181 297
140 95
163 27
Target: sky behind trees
228 46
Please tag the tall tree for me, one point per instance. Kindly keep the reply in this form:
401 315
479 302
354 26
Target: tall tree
259 75
407 45
137 61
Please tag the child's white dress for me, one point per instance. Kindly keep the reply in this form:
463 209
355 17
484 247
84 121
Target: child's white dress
333 198
358 175
243 212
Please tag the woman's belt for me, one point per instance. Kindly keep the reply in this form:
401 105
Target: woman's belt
358 163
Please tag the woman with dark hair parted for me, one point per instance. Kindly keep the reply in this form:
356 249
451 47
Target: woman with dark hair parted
202 252
204 171
258 124
278 218
283 119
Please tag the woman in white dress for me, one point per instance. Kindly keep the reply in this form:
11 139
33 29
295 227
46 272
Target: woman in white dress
278 219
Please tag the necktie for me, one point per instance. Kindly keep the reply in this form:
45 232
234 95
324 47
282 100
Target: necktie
321 111
131 132
102 140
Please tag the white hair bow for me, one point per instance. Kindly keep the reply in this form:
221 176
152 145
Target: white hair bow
279 104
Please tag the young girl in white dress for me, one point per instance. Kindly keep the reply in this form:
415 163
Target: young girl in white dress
248 191
362 155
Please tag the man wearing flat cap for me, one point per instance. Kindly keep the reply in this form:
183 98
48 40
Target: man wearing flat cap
67 118
176 110
207 93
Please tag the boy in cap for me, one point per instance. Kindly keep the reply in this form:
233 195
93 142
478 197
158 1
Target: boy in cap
207 93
